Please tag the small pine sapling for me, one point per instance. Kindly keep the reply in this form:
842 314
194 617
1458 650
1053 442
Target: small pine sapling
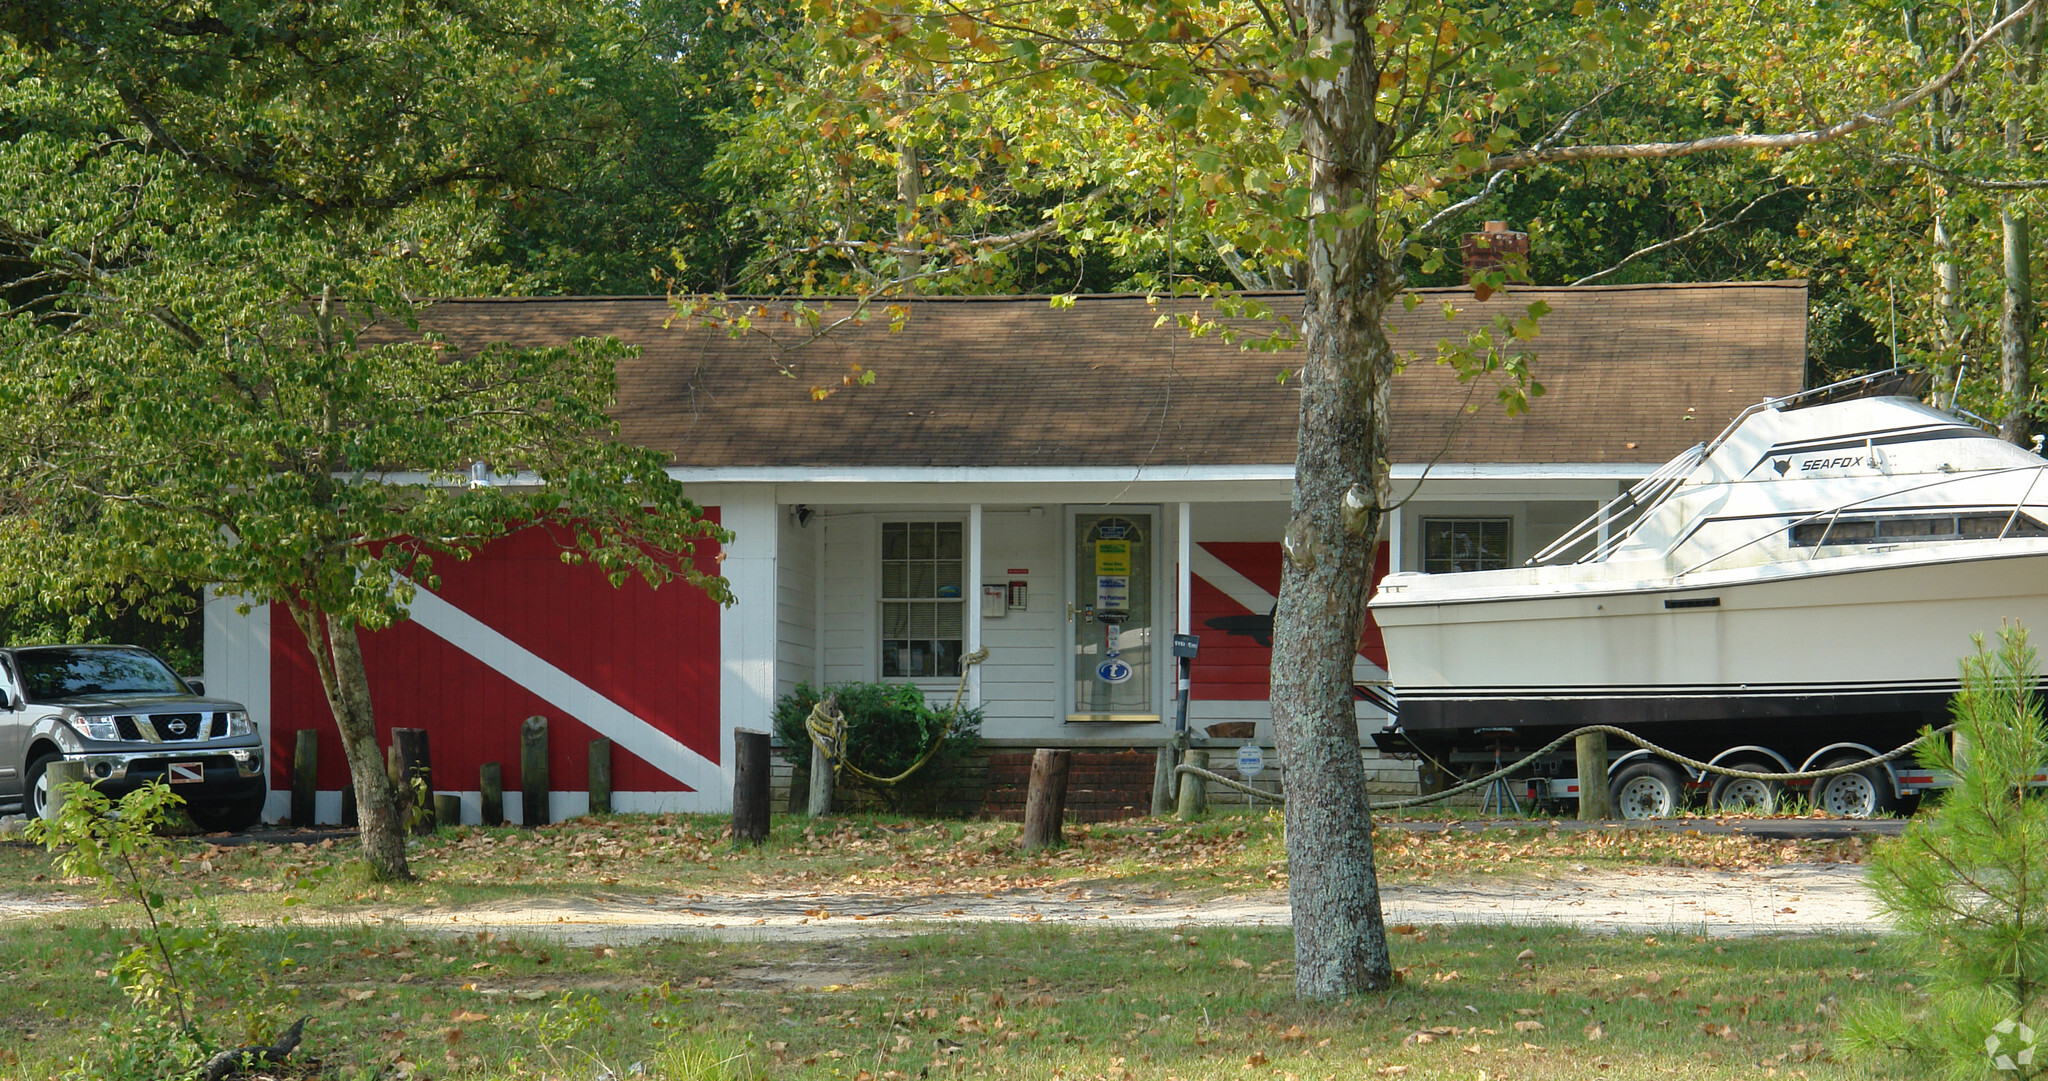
1967 884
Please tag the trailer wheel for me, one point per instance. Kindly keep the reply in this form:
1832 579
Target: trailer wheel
1739 794
1865 793
1647 790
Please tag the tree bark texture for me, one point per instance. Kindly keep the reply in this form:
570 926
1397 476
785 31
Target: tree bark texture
2016 315
2015 330
1340 942
1045 802
338 655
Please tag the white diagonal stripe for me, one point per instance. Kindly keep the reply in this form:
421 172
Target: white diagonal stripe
1226 579
602 715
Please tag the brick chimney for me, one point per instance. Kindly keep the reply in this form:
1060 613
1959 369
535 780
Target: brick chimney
1493 247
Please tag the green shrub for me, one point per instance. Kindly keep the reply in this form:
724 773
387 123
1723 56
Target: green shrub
889 726
1968 884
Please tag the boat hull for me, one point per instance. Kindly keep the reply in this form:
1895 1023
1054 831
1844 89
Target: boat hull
1878 635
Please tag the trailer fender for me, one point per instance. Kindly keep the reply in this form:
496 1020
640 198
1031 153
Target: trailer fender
1638 754
1831 750
1784 765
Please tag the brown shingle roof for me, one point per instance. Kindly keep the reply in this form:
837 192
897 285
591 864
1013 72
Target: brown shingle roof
1012 381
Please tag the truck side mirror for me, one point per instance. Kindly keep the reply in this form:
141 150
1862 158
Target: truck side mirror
198 685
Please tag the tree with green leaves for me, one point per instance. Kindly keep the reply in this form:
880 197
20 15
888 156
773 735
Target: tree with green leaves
1968 882
1383 106
219 221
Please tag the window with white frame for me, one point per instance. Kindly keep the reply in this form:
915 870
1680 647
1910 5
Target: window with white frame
1450 545
923 610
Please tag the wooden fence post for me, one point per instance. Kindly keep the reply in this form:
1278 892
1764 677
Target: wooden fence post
1595 801
348 804
447 808
1045 802
600 776
305 777
749 786
58 774
1162 780
533 772
412 770
491 781
1194 791
821 784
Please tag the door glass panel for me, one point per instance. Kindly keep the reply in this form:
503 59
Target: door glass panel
1112 628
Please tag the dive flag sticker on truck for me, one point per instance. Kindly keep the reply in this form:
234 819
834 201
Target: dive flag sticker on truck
188 772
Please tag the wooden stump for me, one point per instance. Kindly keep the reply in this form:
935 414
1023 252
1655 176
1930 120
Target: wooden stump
1596 803
491 783
1194 791
1045 803
305 776
749 786
412 772
600 776
1162 780
533 772
821 784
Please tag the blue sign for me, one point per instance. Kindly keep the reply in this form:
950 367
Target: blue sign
1112 671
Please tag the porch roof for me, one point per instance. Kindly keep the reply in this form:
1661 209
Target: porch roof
1634 375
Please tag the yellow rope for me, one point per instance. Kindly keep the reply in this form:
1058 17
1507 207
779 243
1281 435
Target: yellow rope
827 726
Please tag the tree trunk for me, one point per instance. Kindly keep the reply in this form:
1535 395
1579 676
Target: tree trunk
338 655
2015 329
1340 941
909 189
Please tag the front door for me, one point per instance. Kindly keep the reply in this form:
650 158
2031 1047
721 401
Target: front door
1112 613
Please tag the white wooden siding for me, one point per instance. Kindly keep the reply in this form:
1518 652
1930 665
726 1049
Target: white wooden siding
796 603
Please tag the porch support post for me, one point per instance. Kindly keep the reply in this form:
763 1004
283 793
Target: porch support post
973 600
1393 528
1184 595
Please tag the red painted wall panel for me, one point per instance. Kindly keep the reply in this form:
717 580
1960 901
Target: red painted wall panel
653 652
1236 641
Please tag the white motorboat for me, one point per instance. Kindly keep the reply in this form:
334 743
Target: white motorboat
1796 593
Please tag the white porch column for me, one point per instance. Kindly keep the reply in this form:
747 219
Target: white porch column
1394 539
1183 578
746 628
972 595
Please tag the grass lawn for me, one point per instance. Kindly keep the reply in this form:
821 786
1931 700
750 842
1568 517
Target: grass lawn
1025 1000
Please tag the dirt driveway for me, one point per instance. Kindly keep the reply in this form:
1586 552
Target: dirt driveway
1799 899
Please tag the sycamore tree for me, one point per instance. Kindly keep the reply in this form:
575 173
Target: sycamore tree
1386 107
217 222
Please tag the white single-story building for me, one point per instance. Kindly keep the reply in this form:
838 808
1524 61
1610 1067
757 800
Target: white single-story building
1015 469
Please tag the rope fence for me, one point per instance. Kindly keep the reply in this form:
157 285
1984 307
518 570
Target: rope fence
1477 783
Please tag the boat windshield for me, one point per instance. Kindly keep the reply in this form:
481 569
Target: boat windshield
52 675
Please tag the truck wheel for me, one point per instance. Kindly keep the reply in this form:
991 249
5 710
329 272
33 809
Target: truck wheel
1865 793
1744 794
39 786
228 816
1647 790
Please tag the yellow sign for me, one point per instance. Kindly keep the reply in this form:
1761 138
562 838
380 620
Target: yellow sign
1112 557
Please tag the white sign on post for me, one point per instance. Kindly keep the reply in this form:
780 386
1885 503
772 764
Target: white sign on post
1251 761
